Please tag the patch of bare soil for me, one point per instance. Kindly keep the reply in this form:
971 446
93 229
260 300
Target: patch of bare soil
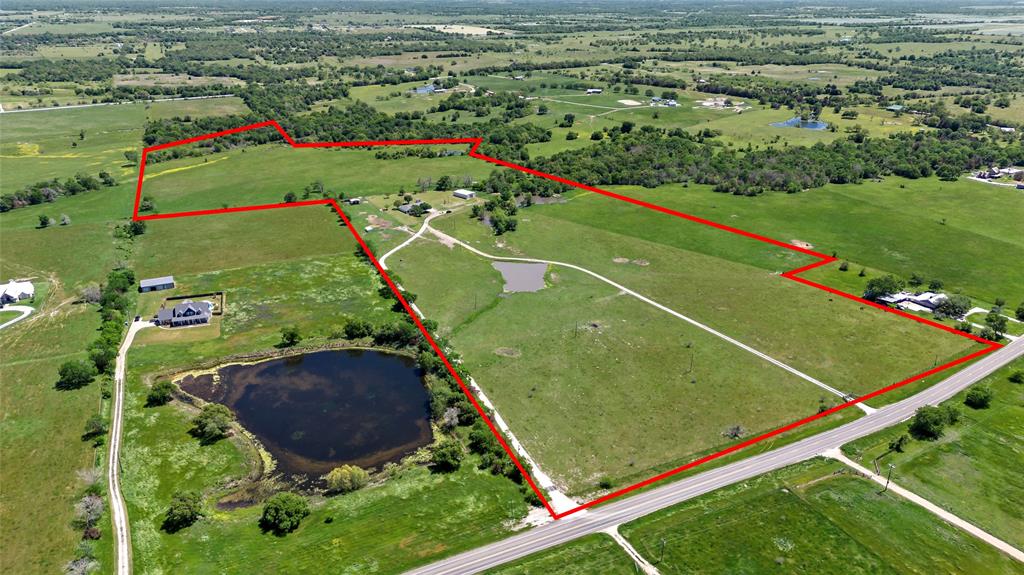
379 222
508 352
555 199
636 262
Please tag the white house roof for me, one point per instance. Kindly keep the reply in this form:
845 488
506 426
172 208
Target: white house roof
152 282
17 289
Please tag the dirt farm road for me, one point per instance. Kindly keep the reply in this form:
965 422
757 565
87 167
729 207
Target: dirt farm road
118 510
445 238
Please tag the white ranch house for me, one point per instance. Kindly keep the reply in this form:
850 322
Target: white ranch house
15 291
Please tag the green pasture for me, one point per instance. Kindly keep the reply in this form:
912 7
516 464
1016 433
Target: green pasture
411 519
196 108
36 146
72 255
264 174
595 383
971 469
924 226
40 436
811 518
396 98
729 283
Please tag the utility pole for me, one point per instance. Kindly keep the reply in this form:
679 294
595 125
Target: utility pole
661 555
888 476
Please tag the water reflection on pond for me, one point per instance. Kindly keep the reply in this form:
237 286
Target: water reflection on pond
316 411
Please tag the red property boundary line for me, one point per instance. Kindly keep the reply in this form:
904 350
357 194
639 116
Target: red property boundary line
475 143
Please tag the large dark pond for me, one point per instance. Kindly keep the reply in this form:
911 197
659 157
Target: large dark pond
316 411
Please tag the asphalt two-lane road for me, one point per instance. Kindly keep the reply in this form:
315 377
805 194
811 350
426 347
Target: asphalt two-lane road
636 506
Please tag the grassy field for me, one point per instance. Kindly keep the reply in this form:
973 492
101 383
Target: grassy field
591 554
311 280
572 367
254 175
40 433
40 437
897 225
196 108
225 241
811 518
729 283
87 249
37 147
971 470
426 516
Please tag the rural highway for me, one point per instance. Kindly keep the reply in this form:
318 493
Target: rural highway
633 507
118 510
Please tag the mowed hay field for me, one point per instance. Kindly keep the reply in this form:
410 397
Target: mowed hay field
595 383
264 174
728 282
811 518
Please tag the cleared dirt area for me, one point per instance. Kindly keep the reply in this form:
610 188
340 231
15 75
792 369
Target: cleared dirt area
173 80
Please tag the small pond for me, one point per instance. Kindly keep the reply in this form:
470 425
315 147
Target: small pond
522 277
316 411
799 122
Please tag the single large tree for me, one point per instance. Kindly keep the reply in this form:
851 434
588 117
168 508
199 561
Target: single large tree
930 421
290 336
954 306
75 374
447 456
978 397
161 392
996 321
212 423
283 512
186 508
882 286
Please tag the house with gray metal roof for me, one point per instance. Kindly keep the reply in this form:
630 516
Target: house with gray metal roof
185 313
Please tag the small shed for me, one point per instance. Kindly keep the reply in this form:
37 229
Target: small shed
156 284
464 194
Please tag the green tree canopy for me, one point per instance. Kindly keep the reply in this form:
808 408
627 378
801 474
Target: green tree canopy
212 423
347 478
186 508
75 374
283 512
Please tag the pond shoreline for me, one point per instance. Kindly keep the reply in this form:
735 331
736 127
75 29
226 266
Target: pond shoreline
265 472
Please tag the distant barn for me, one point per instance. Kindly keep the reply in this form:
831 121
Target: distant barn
464 194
